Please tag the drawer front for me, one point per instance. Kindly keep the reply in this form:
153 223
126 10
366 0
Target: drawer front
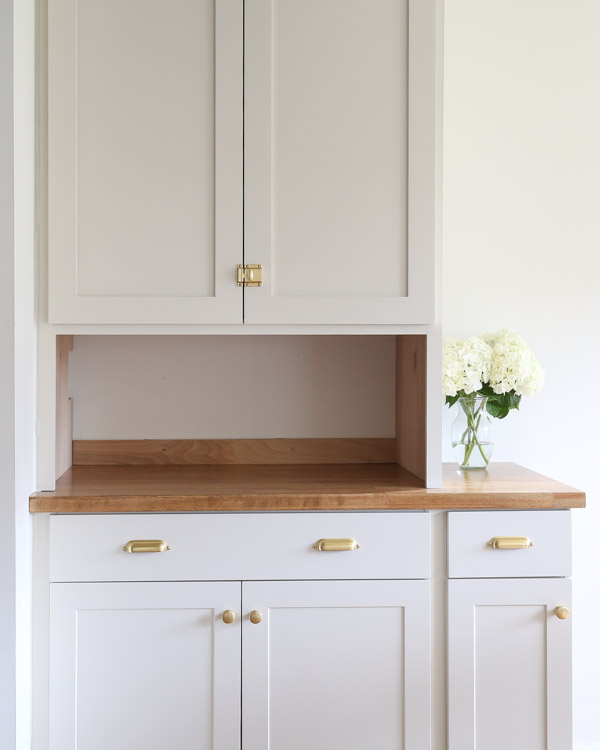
239 546
473 554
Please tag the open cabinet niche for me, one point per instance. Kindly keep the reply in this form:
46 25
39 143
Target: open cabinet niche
176 400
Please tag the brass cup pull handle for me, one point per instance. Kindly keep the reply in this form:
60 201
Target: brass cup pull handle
510 542
561 612
255 617
336 545
146 545
228 617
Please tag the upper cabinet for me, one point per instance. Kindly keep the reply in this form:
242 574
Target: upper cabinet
145 134
189 137
339 179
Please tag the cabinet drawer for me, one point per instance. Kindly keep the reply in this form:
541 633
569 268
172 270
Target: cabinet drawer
239 546
472 553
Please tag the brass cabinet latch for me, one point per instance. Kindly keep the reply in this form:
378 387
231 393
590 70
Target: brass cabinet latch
249 275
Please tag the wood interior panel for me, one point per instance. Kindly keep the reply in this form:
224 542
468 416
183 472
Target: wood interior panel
411 404
99 489
64 406
275 451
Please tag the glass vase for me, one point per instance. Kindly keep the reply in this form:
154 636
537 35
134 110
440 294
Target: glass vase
473 433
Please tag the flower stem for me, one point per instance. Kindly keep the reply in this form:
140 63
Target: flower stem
469 436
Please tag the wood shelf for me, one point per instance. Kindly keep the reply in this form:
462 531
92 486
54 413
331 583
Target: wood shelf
113 489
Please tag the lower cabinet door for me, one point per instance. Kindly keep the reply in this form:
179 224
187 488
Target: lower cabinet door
509 664
144 665
336 664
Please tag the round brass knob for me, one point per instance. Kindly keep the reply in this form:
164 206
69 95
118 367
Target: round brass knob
255 616
561 612
228 617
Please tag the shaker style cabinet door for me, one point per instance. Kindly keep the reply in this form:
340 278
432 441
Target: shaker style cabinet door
144 665
509 664
336 664
145 140
339 179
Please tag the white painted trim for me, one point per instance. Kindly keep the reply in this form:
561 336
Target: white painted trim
434 407
434 332
41 629
46 408
238 330
25 350
17 375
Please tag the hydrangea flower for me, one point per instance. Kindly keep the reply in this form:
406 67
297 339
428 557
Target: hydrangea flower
499 365
514 367
465 365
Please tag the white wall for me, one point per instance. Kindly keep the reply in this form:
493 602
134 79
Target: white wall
7 413
522 250
17 371
128 387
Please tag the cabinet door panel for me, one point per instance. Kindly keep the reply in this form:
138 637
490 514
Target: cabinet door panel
339 160
336 664
145 161
147 665
509 665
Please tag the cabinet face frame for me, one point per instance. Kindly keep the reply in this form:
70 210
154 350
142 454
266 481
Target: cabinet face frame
260 304
68 600
464 596
65 305
413 596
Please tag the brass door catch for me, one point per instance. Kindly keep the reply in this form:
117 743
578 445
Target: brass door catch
249 275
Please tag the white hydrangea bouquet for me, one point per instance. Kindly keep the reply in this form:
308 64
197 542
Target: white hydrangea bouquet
487 375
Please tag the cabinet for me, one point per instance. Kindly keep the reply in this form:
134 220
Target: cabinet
144 665
336 664
145 161
509 649
154 665
509 664
297 136
347 645
340 662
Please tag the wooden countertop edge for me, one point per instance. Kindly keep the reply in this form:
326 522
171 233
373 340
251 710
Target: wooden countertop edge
411 500
296 488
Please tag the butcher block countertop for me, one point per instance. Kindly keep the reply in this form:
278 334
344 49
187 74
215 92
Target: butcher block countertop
163 489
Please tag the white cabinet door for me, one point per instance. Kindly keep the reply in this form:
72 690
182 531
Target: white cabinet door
145 160
339 179
509 665
144 665
336 664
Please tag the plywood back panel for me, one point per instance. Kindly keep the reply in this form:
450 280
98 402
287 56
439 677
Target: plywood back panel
226 387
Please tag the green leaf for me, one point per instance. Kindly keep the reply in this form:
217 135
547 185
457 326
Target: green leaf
497 409
500 404
451 400
514 400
